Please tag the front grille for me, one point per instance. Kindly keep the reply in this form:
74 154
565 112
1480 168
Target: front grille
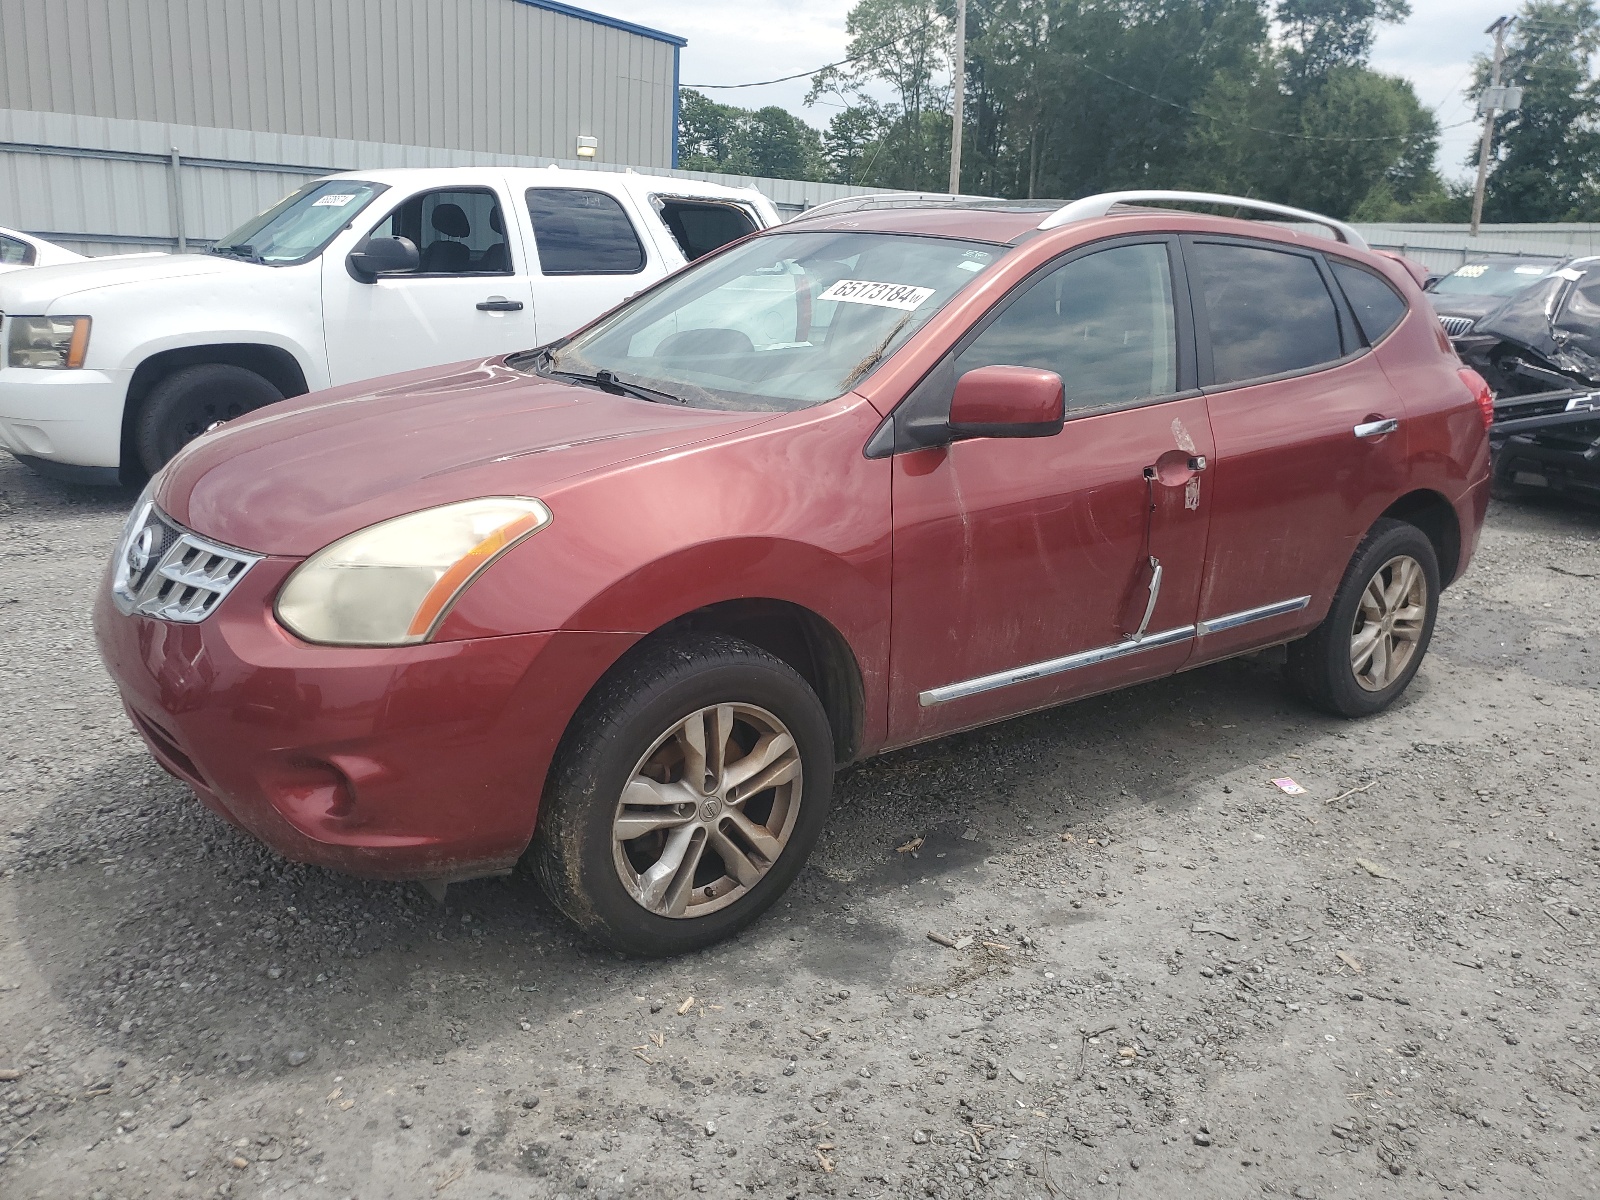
1457 326
162 570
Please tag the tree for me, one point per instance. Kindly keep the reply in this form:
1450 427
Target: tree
1547 155
1320 36
768 142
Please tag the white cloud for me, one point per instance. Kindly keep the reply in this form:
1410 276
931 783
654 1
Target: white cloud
733 41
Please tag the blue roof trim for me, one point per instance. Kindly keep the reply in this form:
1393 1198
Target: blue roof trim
583 14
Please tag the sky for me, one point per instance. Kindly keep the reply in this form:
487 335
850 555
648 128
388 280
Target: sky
736 41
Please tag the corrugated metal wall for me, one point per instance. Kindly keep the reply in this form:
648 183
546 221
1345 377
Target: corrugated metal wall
1446 247
492 76
106 186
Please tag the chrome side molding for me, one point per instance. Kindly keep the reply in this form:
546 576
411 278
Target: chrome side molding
1246 616
1089 658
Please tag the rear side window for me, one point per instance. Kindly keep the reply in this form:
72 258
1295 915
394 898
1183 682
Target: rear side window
579 232
699 227
1104 323
15 251
1268 311
1377 306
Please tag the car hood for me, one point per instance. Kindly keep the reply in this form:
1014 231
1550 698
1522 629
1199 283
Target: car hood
295 476
41 289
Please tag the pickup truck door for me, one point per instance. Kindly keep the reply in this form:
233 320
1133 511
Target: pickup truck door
590 254
469 298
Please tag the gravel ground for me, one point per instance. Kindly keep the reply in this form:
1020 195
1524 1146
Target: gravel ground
1165 976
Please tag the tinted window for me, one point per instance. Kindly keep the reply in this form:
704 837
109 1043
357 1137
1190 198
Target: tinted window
1103 323
1378 308
580 232
15 251
700 228
456 232
1268 310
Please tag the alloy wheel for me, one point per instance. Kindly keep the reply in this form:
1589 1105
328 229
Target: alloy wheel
707 811
1389 623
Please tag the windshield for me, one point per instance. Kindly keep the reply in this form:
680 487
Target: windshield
780 323
1493 279
297 227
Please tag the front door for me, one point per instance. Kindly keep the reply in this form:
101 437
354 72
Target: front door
1028 571
469 297
1310 437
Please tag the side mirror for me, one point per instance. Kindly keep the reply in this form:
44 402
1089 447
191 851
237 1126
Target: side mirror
1008 402
383 256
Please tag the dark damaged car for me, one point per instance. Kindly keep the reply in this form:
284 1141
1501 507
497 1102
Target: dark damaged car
1539 350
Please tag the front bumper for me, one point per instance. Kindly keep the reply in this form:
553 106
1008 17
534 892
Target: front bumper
417 762
69 417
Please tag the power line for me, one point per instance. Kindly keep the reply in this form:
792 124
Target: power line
856 57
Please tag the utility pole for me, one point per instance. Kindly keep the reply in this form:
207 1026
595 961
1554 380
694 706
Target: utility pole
1499 30
959 79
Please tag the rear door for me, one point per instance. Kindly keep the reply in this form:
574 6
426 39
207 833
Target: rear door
1310 437
1023 567
469 297
589 256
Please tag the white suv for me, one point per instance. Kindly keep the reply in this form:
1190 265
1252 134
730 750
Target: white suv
110 366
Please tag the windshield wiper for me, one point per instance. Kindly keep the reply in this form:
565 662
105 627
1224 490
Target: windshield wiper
239 250
607 381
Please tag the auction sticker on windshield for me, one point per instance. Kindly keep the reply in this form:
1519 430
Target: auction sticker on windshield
332 201
884 295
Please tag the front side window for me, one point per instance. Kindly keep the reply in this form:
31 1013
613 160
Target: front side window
1377 306
780 323
1269 311
456 231
701 226
15 251
579 232
1104 323
298 227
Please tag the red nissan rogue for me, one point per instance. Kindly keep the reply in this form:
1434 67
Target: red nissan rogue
623 604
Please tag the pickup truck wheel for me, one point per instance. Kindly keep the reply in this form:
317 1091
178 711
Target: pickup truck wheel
190 401
1368 648
686 796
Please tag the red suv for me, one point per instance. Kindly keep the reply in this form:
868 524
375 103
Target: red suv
898 468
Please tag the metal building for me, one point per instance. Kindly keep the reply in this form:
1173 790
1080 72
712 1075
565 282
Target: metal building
505 77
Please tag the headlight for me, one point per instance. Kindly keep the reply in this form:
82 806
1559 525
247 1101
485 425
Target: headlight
391 584
49 342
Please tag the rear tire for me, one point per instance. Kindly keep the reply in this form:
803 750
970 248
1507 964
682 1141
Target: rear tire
1370 645
190 401
657 835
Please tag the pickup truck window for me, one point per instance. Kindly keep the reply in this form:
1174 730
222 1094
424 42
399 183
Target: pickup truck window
15 251
299 226
701 226
457 231
579 232
779 323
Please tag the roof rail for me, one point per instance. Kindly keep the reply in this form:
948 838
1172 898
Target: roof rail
878 200
1098 206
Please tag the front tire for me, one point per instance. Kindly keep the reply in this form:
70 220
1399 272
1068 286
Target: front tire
190 401
685 797
1370 645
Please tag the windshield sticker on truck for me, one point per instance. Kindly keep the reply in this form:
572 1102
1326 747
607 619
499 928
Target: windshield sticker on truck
883 295
1471 270
332 201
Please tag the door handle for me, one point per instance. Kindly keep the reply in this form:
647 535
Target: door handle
1369 429
499 304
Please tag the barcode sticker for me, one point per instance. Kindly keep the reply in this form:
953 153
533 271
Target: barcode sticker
883 295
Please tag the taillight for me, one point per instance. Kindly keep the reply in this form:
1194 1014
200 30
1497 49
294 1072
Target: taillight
1480 393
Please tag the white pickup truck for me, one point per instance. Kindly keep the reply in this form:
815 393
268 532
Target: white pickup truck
111 365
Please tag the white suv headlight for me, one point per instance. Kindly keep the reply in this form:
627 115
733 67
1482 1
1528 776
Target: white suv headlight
391 583
51 343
